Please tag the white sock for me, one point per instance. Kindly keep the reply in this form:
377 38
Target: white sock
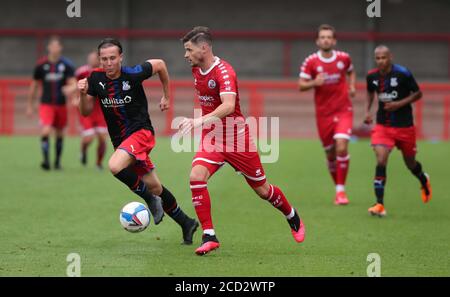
209 232
291 215
340 188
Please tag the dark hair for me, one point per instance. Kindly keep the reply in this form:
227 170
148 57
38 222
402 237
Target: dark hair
198 34
107 42
54 38
326 27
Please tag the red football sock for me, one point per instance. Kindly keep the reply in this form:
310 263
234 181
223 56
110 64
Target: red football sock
278 200
342 163
202 203
332 169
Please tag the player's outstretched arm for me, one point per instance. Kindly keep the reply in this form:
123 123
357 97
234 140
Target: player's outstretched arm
31 95
159 67
86 101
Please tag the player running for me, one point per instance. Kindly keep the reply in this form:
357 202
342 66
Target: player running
94 125
397 90
53 72
124 106
326 72
216 86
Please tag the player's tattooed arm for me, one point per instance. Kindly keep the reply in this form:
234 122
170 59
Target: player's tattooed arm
86 101
31 96
159 67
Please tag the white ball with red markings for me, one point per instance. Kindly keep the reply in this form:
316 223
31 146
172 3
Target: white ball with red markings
135 217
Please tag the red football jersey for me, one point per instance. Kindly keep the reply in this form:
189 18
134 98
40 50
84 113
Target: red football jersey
332 96
220 79
84 72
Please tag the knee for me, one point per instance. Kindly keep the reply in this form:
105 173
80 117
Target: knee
198 175
155 189
114 167
341 150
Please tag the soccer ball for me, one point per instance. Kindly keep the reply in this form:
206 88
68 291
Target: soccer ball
135 217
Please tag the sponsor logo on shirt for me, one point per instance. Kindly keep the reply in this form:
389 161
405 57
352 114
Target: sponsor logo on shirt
53 76
387 97
116 102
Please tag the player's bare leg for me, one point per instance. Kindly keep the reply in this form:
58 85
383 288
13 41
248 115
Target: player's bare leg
45 136
342 165
170 206
330 152
379 182
86 140
119 165
58 146
202 203
275 196
416 169
101 148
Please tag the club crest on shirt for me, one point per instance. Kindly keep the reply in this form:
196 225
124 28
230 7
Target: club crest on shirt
394 82
61 67
126 85
340 65
319 69
211 83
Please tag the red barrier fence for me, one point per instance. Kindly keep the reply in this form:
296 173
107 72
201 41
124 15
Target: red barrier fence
258 98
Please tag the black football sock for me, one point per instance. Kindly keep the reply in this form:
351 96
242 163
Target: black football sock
379 183
132 180
45 148
59 147
171 207
417 171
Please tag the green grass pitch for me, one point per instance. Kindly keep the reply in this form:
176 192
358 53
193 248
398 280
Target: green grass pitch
47 215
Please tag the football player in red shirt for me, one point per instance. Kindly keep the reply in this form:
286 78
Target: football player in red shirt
217 90
93 125
326 72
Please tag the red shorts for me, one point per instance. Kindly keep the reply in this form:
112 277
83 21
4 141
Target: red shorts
53 115
335 126
403 138
246 163
93 123
139 145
